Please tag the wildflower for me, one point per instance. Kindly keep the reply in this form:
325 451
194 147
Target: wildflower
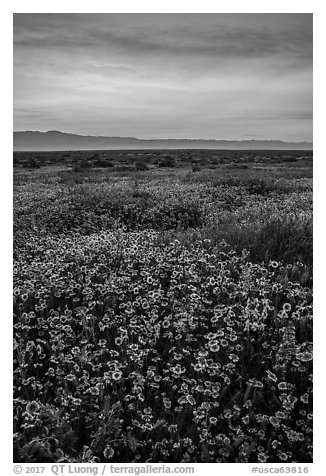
271 376
274 421
273 264
93 391
32 407
262 458
305 356
287 405
108 452
275 444
70 377
283 456
287 307
178 370
167 403
214 346
173 428
255 383
277 287
133 347
205 405
280 415
227 414
304 398
182 400
116 375
191 400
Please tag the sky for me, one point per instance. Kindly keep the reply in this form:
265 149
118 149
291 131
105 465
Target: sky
211 76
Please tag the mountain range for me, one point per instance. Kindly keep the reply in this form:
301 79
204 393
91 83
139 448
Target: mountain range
56 140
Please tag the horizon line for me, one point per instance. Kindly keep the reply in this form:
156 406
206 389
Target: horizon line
165 138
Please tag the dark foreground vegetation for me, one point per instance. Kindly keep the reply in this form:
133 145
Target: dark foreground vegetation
163 306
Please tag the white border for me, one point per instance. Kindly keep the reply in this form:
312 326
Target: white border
167 6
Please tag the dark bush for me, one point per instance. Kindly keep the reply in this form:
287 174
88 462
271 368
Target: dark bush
289 159
82 165
283 239
195 167
256 185
141 166
32 164
166 162
103 162
289 240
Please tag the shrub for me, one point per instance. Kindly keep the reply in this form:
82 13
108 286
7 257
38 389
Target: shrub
82 165
31 164
195 167
287 239
166 162
103 162
141 166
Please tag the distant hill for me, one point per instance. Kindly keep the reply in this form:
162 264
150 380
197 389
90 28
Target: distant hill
56 140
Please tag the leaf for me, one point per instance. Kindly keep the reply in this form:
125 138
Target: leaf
205 454
247 392
251 448
107 406
159 424
237 442
133 443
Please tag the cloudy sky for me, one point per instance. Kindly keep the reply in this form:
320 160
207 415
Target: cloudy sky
221 76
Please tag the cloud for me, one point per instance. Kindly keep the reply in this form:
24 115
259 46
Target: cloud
185 36
153 75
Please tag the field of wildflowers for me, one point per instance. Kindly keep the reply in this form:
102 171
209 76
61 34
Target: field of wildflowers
163 315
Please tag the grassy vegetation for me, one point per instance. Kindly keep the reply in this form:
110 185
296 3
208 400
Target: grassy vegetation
162 158
163 313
